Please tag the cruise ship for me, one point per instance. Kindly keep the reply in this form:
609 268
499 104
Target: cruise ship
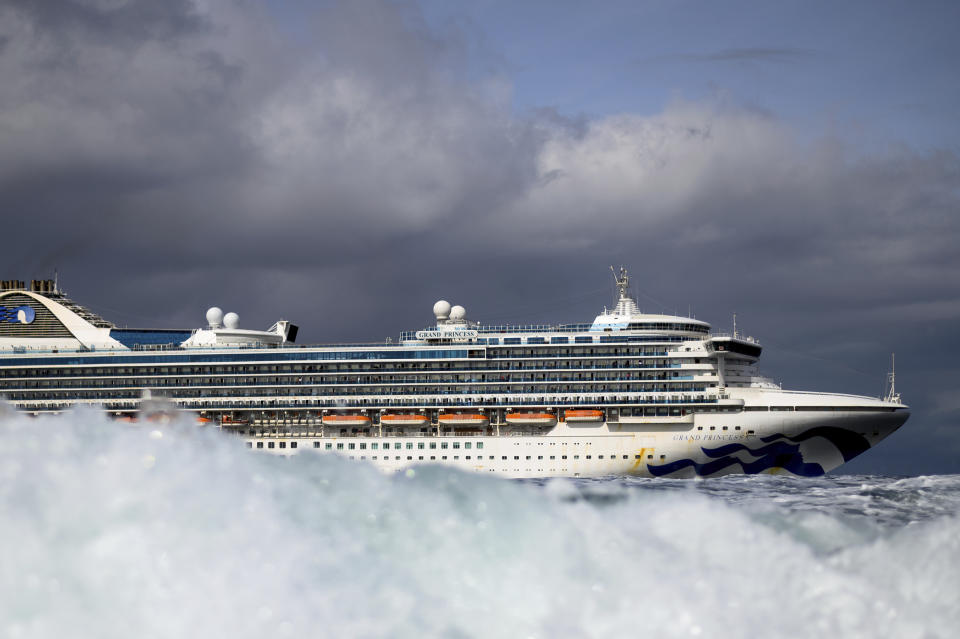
628 393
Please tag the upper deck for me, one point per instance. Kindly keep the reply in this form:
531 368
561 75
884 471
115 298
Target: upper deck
45 321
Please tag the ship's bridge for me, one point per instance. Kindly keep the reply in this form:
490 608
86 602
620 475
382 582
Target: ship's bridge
626 316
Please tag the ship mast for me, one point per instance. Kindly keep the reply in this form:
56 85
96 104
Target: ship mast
892 394
623 282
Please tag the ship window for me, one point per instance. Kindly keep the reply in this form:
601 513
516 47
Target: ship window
363 446
563 457
269 444
456 444
588 456
663 456
433 457
736 428
293 444
479 445
374 445
396 446
636 456
420 457
444 444
539 456
504 458
515 457
649 456
339 445
528 457
409 457
433 445
316 444
351 446
599 456
625 457
466 444
421 445
409 445
328 446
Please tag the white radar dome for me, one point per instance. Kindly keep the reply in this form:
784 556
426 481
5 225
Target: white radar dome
442 309
458 312
231 320
214 317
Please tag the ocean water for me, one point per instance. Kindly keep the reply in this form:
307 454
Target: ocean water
115 530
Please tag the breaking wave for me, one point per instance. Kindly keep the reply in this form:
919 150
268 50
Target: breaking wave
116 530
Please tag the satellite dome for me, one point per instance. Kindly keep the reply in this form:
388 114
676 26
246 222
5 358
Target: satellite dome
442 309
214 317
231 320
458 312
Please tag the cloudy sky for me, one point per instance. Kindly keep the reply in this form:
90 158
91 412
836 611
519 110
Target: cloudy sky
345 164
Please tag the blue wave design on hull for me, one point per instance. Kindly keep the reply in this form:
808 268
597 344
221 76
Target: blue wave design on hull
849 444
781 451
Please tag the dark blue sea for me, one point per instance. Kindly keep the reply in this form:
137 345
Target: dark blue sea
115 530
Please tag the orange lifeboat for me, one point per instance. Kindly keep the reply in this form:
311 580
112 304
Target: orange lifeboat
203 421
583 415
346 421
404 419
463 419
531 418
229 421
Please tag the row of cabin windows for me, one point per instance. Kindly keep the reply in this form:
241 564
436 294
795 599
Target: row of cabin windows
443 457
399 445
509 377
315 395
371 365
320 375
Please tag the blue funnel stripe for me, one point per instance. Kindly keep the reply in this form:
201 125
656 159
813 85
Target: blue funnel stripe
849 444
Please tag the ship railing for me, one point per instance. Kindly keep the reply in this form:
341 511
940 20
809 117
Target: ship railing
745 338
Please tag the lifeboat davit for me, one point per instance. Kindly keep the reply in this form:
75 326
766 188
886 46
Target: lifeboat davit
463 419
404 419
345 421
531 419
583 415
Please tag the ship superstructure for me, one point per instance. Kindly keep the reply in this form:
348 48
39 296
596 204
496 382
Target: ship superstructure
630 392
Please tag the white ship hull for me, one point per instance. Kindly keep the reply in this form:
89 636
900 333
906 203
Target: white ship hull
803 443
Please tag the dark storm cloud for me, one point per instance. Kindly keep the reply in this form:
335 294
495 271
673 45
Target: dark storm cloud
168 156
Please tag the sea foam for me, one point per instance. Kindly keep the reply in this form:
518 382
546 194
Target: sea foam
118 530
